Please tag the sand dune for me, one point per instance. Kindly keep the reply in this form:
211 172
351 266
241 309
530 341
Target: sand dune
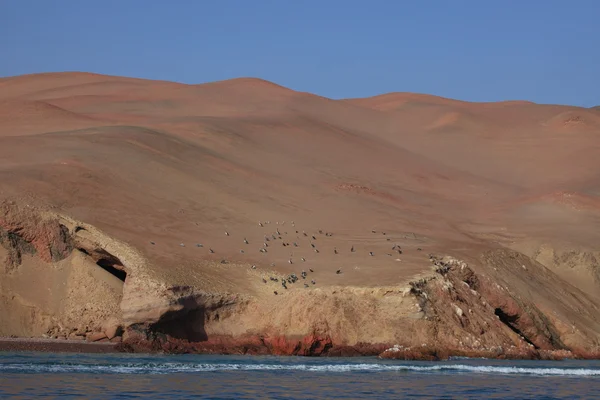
580 120
161 167
25 117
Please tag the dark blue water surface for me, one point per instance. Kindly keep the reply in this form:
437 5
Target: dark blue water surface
120 376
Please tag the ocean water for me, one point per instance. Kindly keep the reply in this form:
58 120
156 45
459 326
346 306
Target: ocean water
126 376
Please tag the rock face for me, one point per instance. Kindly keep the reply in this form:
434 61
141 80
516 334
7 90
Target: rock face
45 251
22 233
460 313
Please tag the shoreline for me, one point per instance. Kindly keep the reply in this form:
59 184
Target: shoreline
8 344
44 345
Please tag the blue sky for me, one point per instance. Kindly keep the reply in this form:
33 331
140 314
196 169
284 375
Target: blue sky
544 51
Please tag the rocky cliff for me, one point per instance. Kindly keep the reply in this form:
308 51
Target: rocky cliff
91 286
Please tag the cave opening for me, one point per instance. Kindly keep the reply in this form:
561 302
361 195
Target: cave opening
184 324
109 266
107 262
510 321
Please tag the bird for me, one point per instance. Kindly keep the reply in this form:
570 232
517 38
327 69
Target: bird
199 245
245 240
371 254
306 285
373 231
316 250
352 249
303 259
311 270
313 282
152 243
335 250
290 261
182 245
275 291
242 251
264 280
314 238
399 251
211 251
320 231
253 267
226 233
260 224
339 271
419 249
295 244
313 245
283 284
265 244
304 233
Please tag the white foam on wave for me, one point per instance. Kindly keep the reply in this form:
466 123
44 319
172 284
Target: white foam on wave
170 368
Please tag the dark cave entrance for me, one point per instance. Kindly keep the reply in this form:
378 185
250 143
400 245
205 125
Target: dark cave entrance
107 262
510 321
185 324
109 266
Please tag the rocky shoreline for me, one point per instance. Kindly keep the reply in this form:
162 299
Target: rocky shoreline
309 346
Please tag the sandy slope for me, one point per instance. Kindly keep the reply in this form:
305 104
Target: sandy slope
162 167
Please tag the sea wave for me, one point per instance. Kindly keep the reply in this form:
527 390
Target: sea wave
172 368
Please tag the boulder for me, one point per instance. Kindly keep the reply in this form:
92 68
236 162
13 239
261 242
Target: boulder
76 336
112 328
95 336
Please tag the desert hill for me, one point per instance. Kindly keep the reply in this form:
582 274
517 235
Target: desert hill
162 197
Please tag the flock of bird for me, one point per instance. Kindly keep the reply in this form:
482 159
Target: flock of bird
271 238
